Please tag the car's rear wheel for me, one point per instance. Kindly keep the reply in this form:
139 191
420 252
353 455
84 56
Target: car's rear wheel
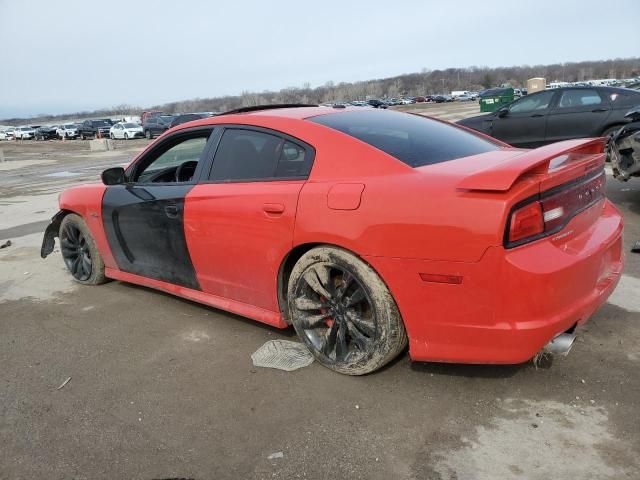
82 137
79 251
343 312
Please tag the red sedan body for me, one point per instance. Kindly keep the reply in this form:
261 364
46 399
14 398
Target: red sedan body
488 256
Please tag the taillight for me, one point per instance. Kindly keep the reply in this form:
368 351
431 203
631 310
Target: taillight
552 210
526 222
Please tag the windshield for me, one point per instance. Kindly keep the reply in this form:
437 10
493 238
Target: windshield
101 123
130 125
70 126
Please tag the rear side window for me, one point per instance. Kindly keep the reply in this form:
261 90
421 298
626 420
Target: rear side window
412 139
579 98
251 155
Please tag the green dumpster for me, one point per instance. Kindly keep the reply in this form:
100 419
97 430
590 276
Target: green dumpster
495 98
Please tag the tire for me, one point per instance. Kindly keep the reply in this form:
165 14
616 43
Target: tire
353 330
111 136
82 137
126 136
76 243
147 134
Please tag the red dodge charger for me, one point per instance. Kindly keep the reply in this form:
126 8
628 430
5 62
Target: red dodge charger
364 229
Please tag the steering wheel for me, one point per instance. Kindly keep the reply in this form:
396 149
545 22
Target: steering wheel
185 171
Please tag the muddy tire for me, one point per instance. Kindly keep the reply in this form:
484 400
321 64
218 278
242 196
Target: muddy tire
79 251
343 312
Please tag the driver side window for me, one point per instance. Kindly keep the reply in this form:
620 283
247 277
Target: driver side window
175 164
530 103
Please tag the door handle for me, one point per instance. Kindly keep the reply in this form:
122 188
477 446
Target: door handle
596 110
171 211
273 208
536 115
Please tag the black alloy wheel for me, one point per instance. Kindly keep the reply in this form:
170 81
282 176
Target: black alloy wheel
336 312
75 252
343 311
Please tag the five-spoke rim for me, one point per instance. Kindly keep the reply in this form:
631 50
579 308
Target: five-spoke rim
75 252
335 312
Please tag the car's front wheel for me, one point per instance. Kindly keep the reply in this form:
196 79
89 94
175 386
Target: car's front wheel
147 133
126 136
79 251
343 312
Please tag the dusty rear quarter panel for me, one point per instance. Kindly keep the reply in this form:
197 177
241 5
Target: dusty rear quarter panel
406 212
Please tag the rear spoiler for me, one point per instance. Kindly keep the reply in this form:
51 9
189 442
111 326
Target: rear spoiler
501 177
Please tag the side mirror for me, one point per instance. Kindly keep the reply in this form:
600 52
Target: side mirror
502 112
113 176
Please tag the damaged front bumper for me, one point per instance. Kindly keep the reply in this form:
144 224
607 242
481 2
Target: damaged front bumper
50 234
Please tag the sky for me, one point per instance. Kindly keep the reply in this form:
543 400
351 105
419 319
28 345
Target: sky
67 56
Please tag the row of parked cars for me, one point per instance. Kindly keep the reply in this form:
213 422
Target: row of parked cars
389 102
153 124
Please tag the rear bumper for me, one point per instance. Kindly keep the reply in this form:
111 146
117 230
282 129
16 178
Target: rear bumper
512 302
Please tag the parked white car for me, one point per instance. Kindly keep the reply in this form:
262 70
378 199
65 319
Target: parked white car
10 133
24 133
126 130
6 134
67 131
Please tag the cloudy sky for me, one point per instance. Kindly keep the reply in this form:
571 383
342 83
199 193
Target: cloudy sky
65 56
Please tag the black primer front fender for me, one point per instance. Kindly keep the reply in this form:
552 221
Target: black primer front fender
50 234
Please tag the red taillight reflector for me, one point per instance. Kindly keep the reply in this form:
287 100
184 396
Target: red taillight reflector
526 222
439 278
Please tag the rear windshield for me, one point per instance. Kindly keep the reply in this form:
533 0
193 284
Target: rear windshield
412 139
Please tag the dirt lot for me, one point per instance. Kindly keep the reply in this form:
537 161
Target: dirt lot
162 387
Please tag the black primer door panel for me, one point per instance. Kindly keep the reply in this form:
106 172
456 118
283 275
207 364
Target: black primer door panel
145 229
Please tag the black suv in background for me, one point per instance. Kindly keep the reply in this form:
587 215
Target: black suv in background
93 128
46 133
156 125
186 117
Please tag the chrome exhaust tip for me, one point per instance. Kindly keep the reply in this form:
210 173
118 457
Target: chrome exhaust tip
560 345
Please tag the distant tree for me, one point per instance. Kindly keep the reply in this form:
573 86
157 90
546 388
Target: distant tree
487 80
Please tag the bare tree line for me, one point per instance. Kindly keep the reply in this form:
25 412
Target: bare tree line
424 83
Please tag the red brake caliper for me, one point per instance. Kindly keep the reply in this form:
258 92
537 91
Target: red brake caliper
328 321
